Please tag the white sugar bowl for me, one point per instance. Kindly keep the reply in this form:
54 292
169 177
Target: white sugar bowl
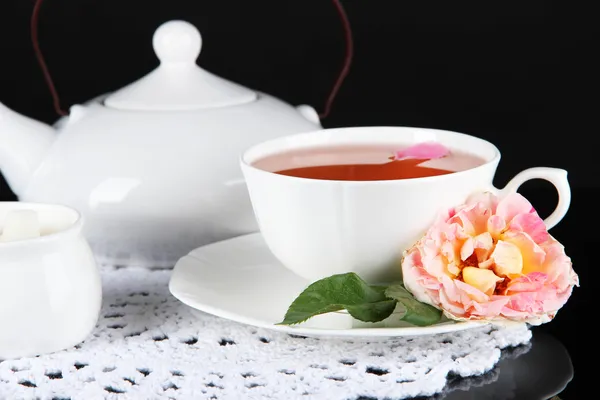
50 288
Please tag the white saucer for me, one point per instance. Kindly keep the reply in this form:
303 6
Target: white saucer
240 280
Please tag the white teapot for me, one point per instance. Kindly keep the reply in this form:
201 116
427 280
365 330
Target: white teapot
153 167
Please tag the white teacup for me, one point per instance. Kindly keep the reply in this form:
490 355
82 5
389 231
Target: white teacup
318 228
50 287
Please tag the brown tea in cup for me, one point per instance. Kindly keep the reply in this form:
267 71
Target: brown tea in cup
363 163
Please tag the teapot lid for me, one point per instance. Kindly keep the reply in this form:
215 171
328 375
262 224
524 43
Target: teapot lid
178 83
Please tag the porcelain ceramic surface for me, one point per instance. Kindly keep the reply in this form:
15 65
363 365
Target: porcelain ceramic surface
50 289
319 228
152 167
239 279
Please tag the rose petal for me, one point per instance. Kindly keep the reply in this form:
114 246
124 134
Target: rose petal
454 231
472 292
422 285
467 249
532 224
436 267
473 219
487 199
533 255
450 289
453 310
512 205
482 279
559 301
508 260
523 316
511 313
558 265
426 151
490 309
480 245
524 302
487 264
527 283
451 250
484 245
495 225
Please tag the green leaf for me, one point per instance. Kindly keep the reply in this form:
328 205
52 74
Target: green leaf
373 312
416 313
341 292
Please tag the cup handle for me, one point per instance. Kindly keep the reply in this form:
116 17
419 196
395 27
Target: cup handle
557 177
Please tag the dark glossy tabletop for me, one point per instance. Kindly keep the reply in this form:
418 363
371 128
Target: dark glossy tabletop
537 371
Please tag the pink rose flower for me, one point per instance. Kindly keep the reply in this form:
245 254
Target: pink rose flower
490 259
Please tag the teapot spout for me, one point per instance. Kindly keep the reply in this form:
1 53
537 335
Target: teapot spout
23 145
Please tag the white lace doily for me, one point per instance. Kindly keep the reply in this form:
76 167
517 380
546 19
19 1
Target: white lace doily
148 345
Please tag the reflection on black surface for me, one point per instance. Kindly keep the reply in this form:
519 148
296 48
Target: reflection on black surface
536 371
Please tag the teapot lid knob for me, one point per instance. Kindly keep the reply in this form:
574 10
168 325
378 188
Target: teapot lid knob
178 83
177 42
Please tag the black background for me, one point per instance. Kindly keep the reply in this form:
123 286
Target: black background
520 74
